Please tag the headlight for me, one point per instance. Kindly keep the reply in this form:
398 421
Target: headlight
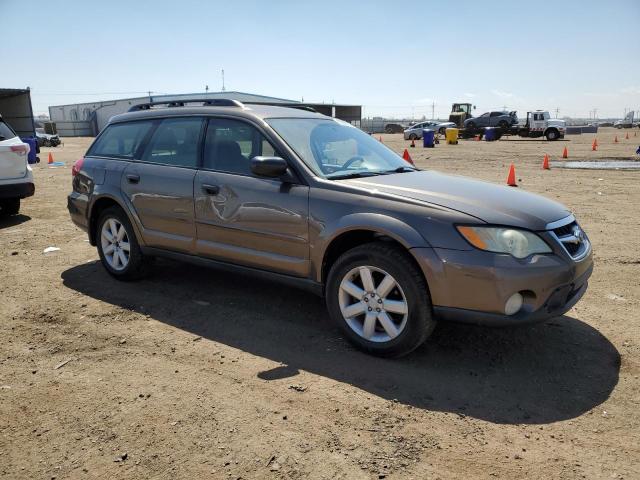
519 243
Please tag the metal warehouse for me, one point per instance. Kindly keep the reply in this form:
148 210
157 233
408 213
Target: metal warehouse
87 119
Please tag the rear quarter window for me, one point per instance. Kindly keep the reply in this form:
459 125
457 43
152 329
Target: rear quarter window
6 132
121 140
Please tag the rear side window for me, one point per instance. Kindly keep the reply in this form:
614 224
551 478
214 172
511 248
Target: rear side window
176 141
121 139
5 131
231 144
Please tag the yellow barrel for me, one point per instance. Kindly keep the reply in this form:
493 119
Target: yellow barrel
451 134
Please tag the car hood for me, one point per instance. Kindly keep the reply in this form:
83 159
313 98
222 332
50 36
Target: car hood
485 201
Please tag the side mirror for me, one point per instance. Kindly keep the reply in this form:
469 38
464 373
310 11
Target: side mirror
271 167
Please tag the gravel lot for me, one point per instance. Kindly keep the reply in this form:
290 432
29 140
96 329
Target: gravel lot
192 373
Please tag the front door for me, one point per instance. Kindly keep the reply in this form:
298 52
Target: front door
242 218
159 186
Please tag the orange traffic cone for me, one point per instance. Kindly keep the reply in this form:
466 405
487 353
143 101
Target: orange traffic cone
511 178
545 162
50 158
413 143
594 145
565 153
615 140
407 157
627 136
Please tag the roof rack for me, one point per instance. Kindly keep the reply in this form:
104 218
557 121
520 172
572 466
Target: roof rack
218 102
207 102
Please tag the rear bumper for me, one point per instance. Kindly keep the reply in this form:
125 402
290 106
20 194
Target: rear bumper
17 190
77 205
473 286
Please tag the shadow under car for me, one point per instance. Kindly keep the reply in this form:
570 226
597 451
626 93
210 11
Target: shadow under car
533 374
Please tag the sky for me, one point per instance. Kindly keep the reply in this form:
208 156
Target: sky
394 58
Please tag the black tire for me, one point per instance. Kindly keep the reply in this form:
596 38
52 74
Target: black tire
503 125
442 130
471 125
552 135
47 143
396 262
9 206
413 136
135 268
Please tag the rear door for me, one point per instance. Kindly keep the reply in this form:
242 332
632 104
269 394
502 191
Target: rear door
242 218
159 183
13 154
495 118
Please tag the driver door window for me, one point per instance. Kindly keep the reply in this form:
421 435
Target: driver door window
231 144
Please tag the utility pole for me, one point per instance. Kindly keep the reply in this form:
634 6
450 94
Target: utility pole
433 109
557 111
206 89
223 80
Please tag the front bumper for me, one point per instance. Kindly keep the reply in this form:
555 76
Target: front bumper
473 286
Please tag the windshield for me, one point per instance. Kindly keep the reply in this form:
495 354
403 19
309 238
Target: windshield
335 149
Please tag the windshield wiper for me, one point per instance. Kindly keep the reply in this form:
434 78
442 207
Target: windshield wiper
354 175
402 169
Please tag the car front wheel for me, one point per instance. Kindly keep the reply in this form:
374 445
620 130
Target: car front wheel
380 300
471 125
117 245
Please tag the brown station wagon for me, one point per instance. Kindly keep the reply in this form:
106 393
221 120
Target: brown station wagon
310 200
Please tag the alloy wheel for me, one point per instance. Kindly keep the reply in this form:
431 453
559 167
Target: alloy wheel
115 244
373 304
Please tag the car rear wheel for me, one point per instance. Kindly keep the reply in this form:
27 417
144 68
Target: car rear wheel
9 206
503 125
442 130
380 300
471 125
413 136
117 245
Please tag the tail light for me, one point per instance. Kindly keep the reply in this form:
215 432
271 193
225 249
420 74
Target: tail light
77 167
21 150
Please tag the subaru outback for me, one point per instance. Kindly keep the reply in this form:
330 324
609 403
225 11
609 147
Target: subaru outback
313 201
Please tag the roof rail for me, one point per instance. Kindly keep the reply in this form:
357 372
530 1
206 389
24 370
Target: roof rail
299 106
207 102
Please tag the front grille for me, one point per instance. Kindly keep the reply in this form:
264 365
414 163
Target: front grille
572 238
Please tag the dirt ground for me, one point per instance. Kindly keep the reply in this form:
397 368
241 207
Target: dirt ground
192 373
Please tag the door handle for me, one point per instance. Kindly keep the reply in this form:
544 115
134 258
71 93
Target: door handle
210 189
132 178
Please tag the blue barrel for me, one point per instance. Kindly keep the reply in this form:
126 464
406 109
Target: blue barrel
427 138
33 148
489 134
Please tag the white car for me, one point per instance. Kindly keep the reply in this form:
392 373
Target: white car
414 132
16 177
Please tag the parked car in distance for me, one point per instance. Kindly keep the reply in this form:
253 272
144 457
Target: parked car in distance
414 132
16 177
46 139
311 201
393 128
503 120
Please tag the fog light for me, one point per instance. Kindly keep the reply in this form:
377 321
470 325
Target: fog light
513 305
